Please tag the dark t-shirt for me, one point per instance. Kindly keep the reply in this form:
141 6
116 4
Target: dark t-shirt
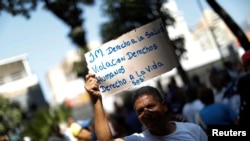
244 91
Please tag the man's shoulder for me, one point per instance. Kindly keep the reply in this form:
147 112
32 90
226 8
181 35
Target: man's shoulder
138 136
186 125
189 130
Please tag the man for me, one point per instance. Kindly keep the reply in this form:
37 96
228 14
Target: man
81 130
151 111
4 138
214 113
56 134
244 89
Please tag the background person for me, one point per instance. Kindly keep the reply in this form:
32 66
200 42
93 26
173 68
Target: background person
82 130
56 134
244 90
214 113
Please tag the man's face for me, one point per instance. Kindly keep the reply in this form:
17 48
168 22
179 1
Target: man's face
150 112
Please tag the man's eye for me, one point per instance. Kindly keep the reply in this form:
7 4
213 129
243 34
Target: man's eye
150 106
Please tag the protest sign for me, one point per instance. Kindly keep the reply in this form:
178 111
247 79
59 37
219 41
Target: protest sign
131 59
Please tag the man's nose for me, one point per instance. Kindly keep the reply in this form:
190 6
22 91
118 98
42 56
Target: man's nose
147 111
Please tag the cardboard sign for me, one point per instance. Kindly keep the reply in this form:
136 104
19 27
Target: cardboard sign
133 58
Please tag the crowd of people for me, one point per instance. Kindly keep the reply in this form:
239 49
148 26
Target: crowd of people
181 113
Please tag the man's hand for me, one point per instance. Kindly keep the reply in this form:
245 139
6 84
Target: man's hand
92 87
101 123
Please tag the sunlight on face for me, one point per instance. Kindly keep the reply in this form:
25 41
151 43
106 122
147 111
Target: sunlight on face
150 111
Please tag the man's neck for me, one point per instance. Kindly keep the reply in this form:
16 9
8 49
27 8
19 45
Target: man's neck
169 128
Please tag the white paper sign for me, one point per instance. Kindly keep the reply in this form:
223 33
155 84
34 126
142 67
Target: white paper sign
133 58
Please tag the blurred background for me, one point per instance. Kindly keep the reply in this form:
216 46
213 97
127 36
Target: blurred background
42 46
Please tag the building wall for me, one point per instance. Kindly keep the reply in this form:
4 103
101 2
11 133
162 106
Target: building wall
63 82
202 51
17 83
212 25
68 89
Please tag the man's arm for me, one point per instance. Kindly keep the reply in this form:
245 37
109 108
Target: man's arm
102 128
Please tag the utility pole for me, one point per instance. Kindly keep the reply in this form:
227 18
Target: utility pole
211 30
231 24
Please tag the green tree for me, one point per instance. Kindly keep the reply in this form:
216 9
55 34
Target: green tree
10 115
125 15
68 11
38 126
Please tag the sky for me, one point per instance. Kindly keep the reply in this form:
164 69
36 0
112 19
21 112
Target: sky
44 38
237 9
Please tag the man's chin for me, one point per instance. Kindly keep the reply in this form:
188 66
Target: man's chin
150 125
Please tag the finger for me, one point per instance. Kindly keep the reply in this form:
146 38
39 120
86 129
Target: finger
97 93
90 75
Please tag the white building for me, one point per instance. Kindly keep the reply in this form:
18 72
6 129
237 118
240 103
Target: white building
68 89
18 83
63 82
213 34
200 45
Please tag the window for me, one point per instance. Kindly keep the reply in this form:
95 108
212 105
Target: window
16 75
1 80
